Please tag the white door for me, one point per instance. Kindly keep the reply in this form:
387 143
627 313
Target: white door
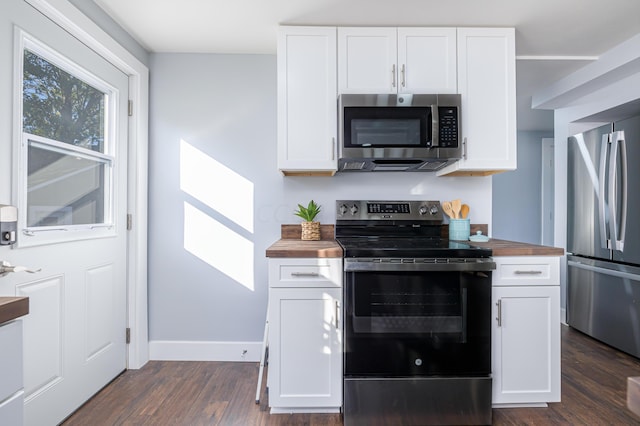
70 187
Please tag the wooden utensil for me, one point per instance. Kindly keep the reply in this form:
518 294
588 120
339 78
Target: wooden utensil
446 207
464 211
455 206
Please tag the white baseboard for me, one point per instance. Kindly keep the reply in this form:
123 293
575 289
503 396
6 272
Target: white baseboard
180 350
297 410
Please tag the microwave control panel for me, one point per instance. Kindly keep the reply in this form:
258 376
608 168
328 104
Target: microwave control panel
448 122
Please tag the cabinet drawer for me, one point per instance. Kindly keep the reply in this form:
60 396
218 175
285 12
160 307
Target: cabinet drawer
10 358
311 272
526 270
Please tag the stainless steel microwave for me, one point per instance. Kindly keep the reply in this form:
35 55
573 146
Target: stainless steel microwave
404 132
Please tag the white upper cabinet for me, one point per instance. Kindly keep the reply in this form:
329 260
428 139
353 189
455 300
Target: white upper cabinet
367 60
307 100
396 60
487 84
427 60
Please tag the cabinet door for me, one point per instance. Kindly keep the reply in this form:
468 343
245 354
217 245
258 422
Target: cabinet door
305 348
526 344
11 359
487 84
427 60
367 60
307 100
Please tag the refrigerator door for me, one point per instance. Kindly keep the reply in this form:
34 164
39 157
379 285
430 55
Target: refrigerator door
587 209
625 192
603 301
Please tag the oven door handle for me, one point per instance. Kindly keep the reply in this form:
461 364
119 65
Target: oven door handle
402 265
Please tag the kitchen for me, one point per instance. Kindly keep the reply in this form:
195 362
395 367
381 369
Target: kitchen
210 121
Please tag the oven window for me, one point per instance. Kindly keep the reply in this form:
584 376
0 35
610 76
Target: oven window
383 303
387 127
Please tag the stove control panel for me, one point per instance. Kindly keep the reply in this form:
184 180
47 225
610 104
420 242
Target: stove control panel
389 210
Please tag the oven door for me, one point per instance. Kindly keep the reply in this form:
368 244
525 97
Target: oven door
406 320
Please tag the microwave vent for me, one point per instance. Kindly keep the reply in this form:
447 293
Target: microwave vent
353 165
432 165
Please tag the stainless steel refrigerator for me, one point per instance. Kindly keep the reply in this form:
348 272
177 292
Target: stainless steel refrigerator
603 235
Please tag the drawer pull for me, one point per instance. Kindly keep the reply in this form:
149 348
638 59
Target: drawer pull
528 272
305 274
499 317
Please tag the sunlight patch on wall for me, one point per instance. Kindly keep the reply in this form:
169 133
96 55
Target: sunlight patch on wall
216 185
218 246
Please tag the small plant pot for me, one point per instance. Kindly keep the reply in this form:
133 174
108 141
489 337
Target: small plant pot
310 231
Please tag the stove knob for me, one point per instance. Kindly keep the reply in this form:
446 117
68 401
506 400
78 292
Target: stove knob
433 210
422 210
343 210
354 209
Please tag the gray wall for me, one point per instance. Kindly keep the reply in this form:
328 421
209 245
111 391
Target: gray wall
517 194
212 217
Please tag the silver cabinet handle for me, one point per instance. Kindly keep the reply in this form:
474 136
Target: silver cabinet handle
499 317
337 315
464 148
333 148
393 75
528 272
305 274
402 71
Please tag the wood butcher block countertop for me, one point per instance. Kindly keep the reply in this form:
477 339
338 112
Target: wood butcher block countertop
13 307
512 248
292 246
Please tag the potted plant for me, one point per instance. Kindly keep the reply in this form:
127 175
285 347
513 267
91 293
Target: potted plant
310 228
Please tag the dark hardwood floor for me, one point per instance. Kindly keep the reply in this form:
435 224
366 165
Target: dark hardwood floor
594 378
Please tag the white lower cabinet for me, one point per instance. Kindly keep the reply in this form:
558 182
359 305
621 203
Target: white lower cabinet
526 331
305 337
11 376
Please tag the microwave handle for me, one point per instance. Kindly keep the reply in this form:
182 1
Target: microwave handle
435 125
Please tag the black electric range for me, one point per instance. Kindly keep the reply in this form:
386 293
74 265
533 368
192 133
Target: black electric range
417 317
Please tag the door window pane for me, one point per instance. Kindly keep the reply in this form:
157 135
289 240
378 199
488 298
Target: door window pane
61 107
64 188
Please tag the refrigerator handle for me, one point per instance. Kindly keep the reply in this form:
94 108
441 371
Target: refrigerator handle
617 233
602 201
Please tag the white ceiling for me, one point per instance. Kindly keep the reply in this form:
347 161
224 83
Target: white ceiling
553 37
